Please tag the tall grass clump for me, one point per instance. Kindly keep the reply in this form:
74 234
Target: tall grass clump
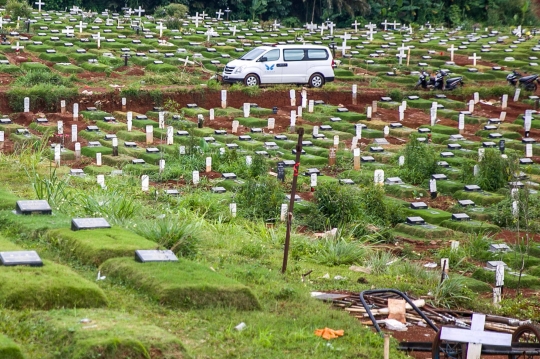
179 232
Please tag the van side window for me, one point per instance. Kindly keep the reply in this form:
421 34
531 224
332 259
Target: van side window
317 54
272 55
293 55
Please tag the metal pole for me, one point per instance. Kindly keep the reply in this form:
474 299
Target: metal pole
291 202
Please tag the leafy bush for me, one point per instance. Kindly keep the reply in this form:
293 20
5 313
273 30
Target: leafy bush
420 161
176 10
528 212
340 204
494 172
18 9
260 199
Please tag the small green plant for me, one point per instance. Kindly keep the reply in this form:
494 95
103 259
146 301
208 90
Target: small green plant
338 251
51 188
379 261
178 233
452 292
420 161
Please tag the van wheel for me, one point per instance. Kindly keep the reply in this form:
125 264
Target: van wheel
316 80
251 80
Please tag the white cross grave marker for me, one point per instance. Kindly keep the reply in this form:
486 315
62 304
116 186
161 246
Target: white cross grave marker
476 336
219 13
355 24
197 19
81 26
323 27
402 52
209 33
385 23
18 47
452 49
39 3
371 31
161 28
331 26
68 31
474 58
395 24
140 10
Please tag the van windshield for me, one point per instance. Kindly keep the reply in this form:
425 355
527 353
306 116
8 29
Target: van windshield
253 54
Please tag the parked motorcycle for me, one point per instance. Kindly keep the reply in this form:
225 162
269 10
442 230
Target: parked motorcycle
526 82
424 81
448 84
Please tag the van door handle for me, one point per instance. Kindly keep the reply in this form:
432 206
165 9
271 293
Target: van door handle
281 65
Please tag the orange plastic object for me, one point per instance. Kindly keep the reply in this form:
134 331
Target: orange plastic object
328 333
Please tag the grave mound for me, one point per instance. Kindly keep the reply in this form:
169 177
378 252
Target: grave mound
50 286
182 284
109 335
98 245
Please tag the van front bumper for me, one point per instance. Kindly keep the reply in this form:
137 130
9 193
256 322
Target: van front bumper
230 79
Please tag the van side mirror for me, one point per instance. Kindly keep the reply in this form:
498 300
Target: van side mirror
263 59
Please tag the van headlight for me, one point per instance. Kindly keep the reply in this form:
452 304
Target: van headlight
239 69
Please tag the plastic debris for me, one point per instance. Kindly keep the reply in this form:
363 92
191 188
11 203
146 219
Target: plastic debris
328 333
241 326
392 324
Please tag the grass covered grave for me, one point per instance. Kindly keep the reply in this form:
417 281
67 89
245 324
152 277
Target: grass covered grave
97 245
182 284
109 335
8 349
47 287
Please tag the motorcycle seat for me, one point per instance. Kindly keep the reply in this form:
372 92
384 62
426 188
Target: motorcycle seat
454 79
528 78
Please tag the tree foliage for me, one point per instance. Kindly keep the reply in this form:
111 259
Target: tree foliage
341 12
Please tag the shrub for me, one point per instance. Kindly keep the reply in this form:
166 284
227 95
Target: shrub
18 9
260 199
420 161
494 172
340 204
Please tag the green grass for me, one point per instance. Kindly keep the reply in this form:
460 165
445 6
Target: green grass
8 349
32 225
109 335
97 245
182 284
47 287
477 227
34 66
423 232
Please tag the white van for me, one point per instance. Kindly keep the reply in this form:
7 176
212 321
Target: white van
282 64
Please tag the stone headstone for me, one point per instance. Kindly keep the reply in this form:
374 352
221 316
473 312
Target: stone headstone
88 223
145 256
27 207
16 258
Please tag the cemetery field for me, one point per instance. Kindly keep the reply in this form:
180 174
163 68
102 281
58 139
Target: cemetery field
164 194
